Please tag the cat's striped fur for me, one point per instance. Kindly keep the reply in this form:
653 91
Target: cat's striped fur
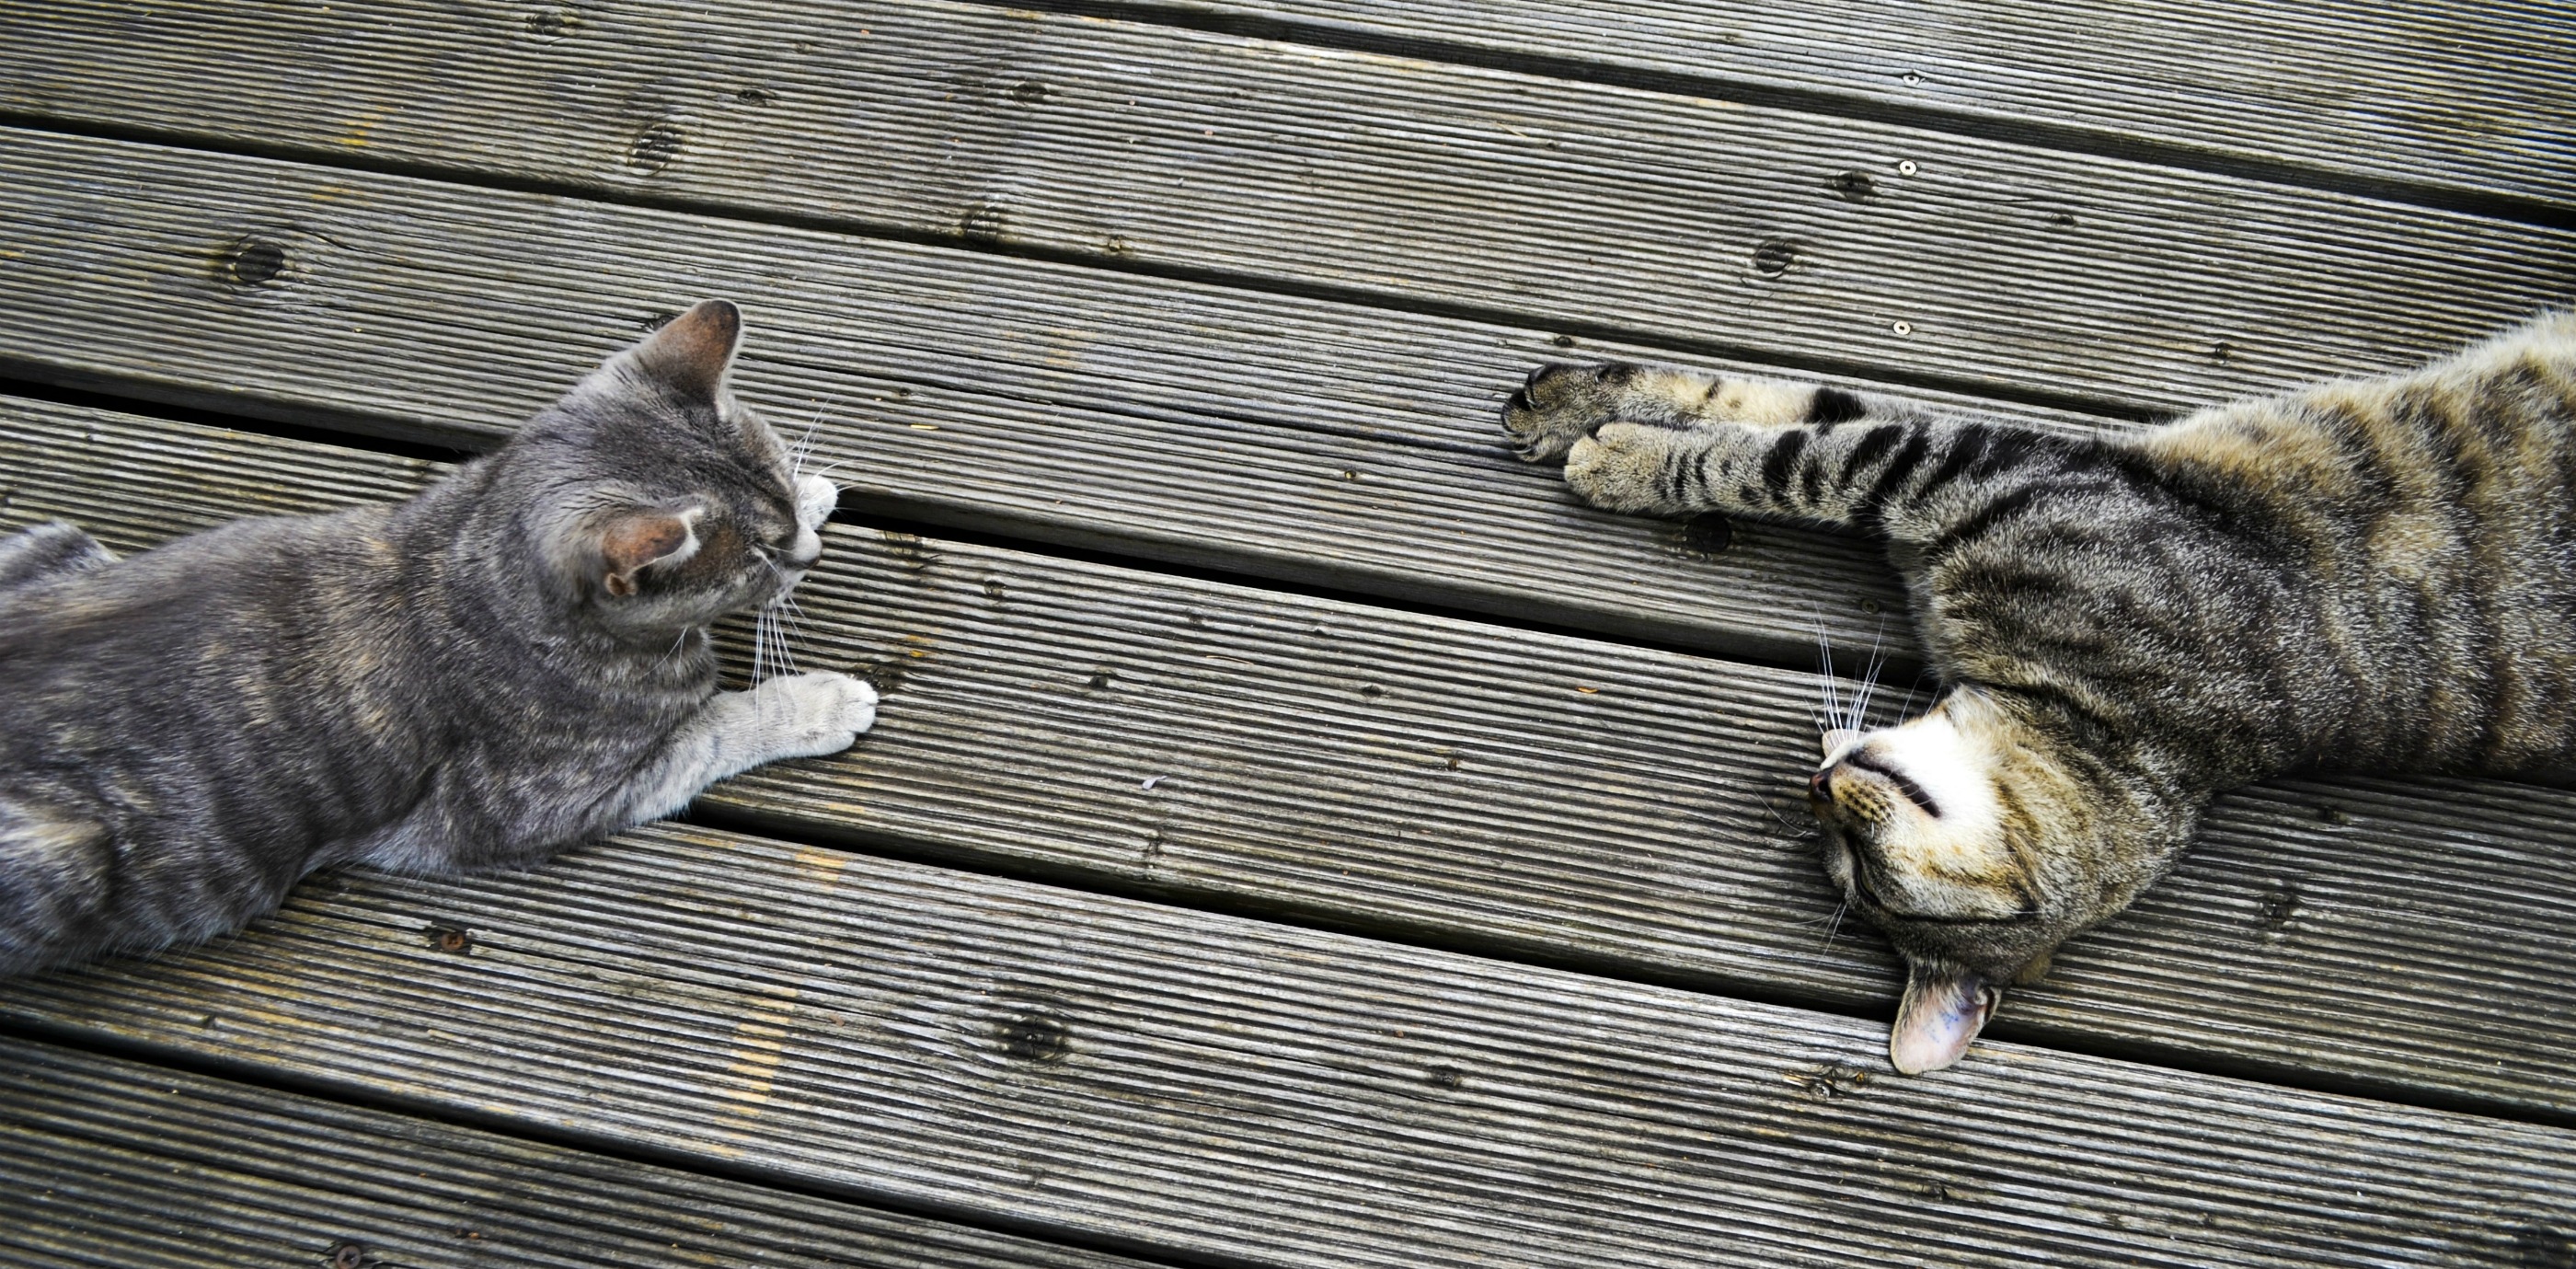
2376 574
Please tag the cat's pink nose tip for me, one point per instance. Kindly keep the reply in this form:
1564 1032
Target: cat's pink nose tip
1816 782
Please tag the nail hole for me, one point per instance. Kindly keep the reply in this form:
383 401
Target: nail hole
982 222
1708 534
1036 1037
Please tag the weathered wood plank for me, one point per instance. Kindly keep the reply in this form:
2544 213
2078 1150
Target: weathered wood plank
117 1164
1268 1096
1289 439
1795 236
2470 100
1561 798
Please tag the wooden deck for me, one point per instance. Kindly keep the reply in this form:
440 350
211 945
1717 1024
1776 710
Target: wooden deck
1296 834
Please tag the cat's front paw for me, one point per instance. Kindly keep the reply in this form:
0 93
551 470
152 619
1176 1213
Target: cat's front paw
1621 467
1560 405
809 715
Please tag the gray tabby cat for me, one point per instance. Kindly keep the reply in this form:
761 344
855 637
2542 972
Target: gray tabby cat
512 662
2374 574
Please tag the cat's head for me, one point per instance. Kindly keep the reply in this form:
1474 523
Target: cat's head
656 500
1977 842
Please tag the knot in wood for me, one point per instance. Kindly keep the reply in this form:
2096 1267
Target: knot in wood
1028 90
348 1254
451 939
655 148
1774 256
256 261
1446 1077
1853 187
552 23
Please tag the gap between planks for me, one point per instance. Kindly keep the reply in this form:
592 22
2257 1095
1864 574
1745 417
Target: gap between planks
1207 1086
1543 797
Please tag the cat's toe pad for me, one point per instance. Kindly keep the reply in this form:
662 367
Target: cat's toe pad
1560 405
1621 466
808 715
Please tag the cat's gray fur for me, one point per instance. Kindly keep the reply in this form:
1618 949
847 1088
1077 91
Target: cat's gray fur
513 662
2376 574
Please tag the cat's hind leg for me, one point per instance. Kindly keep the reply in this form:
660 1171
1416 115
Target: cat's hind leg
48 550
1562 404
56 880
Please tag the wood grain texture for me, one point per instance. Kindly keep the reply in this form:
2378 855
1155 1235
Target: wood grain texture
1558 798
1814 239
119 1165
2464 99
1257 1095
1297 440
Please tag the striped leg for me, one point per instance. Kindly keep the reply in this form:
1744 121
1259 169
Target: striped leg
1560 405
1856 461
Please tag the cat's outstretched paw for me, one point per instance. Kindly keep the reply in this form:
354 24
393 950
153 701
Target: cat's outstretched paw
1621 467
1560 404
809 715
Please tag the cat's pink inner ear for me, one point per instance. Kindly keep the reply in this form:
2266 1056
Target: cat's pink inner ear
638 538
1940 1018
693 351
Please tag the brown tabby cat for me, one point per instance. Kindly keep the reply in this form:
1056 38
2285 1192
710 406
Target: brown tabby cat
2373 574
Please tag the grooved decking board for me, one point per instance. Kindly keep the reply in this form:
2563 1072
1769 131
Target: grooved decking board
1213 1087
2467 99
119 1165
1289 439
1554 796
1971 261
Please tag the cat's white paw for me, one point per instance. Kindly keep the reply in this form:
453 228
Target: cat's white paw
1621 466
809 715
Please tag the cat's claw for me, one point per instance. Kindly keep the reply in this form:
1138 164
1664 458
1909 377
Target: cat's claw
809 715
1560 404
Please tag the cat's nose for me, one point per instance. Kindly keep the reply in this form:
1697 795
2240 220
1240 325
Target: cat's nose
809 548
1818 782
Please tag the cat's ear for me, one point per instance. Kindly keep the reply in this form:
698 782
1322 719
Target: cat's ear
630 540
691 353
1941 1016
